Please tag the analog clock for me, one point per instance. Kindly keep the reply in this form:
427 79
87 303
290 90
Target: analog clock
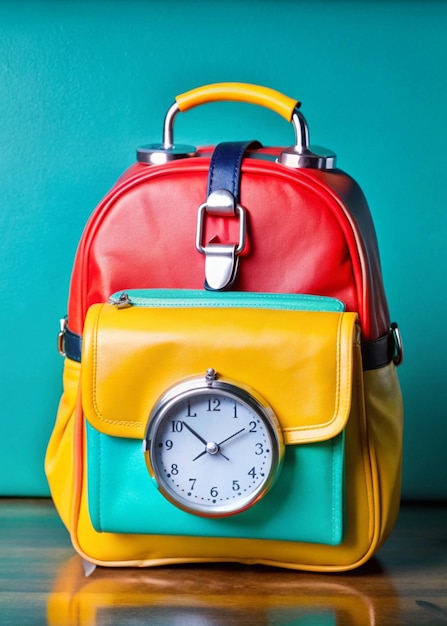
213 446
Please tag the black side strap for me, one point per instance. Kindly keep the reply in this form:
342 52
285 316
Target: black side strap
377 353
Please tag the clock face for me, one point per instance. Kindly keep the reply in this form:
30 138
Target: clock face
213 447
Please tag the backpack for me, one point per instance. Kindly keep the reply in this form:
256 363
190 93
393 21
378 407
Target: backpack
229 388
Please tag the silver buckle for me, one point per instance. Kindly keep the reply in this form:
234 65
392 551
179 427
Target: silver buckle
61 336
221 260
399 346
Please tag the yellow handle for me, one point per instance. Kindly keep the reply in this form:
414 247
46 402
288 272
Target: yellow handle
239 92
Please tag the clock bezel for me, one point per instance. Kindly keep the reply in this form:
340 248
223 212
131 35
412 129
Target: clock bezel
203 385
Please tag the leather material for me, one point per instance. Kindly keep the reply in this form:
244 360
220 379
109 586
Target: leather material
225 166
147 348
378 352
315 224
60 456
72 345
309 231
121 347
375 353
373 447
223 199
372 476
187 298
122 497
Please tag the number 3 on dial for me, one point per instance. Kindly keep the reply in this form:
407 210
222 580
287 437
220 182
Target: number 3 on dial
213 446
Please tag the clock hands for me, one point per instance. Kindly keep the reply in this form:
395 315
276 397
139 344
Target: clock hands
194 433
231 436
210 446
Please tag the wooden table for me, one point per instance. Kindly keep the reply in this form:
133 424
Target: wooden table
42 582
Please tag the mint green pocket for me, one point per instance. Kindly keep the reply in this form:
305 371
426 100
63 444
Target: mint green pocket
305 504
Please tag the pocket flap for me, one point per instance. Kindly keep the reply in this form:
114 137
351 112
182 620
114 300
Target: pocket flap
301 362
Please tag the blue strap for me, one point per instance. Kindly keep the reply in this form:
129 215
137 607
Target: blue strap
72 345
225 166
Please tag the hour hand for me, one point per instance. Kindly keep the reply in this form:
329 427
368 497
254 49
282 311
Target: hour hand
191 430
211 448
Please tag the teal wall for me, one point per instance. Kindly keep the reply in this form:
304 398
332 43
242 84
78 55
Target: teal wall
83 83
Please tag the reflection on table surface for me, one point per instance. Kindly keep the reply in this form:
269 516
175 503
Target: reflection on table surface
206 596
42 582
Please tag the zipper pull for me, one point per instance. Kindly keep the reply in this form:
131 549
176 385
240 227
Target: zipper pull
122 301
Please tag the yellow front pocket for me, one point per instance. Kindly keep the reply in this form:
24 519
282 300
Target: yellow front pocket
301 361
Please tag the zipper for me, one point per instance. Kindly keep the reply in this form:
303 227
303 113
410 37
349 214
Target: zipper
191 298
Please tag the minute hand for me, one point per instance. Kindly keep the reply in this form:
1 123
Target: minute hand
231 436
